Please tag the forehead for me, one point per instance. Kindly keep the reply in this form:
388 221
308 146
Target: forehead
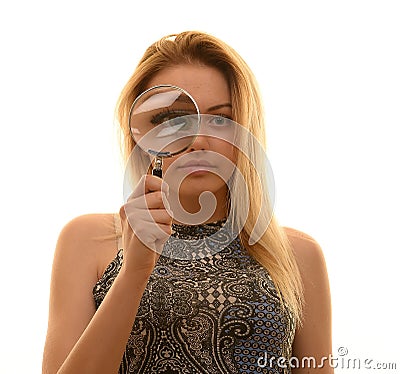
207 85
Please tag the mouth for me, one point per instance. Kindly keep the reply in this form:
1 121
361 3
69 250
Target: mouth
196 165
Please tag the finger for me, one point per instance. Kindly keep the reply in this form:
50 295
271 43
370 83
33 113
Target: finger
148 184
158 233
152 200
167 229
156 200
136 213
148 218
160 216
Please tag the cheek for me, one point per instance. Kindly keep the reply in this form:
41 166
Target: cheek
225 158
224 148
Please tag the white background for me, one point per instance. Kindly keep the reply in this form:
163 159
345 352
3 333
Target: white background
329 74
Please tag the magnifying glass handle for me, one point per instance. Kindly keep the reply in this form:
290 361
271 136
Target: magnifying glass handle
157 170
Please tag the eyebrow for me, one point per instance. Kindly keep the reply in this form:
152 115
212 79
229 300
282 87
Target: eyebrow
185 99
216 107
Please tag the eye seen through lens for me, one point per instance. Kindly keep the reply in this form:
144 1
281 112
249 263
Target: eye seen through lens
164 120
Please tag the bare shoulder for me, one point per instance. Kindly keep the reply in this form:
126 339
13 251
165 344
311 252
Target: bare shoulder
310 260
90 238
84 245
306 249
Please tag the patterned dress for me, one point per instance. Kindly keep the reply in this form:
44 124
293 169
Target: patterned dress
213 310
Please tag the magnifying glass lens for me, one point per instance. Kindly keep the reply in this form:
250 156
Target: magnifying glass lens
164 120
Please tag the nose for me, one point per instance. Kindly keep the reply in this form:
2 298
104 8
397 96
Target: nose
200 143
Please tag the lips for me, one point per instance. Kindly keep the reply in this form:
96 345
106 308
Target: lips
196 167
197 164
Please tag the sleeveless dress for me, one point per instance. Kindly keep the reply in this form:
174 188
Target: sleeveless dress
213 313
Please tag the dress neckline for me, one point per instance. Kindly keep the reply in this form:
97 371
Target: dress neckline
199 230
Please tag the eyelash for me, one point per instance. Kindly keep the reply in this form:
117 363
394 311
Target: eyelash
223 115
166 115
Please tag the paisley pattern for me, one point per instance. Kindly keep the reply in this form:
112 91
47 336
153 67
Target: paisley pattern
217 312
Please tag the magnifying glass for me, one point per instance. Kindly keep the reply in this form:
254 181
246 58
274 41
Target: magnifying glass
164 121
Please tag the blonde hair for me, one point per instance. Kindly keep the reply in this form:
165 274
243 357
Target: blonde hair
272 249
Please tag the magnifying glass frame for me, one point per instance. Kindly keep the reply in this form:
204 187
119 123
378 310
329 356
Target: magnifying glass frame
157 169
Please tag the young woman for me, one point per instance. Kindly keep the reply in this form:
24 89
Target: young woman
249 306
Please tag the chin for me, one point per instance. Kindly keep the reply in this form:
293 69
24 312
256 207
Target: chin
198 184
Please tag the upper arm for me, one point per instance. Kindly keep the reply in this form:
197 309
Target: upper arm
314 338
74 273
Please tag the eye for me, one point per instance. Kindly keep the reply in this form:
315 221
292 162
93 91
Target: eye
174 117
179 121
177 125
219 120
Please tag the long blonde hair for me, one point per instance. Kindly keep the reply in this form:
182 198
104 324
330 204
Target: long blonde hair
272 249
